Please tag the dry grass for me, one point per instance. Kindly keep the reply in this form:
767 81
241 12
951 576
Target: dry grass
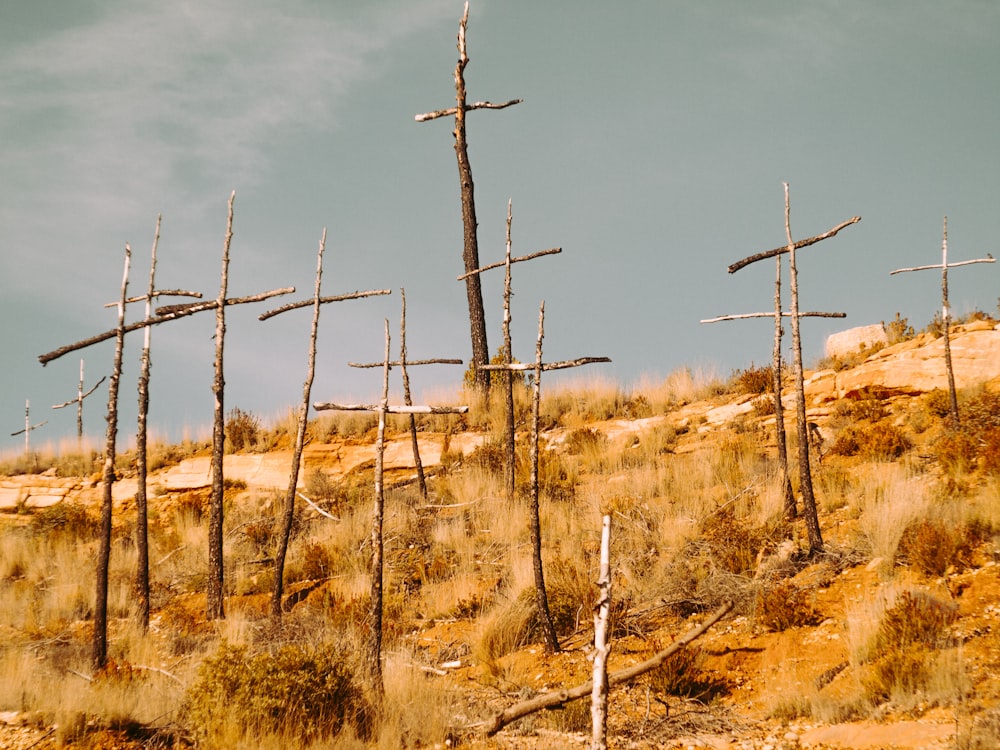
694 516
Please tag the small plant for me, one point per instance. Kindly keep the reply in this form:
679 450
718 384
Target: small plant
753 380
66 518
242 429
309 694
784 605
879 441
682 675
898 330
900 653
932 546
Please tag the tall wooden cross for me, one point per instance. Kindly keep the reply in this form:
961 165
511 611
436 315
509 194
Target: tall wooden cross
805 472
470 251
373 651
946 310
28 427
538 367
508 357
80 396
402 363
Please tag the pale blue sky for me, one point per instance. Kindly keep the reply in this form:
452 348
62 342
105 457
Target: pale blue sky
652 146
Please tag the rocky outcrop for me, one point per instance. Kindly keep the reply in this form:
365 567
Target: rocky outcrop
917 365
33 491
854 340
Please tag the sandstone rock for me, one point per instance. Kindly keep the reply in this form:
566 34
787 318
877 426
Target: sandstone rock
853 340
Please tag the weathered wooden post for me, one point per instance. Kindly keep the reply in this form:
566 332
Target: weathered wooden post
470 253
542 601
602 612
946 311
373 649
805 472
509 435
28 427
80 396
288 513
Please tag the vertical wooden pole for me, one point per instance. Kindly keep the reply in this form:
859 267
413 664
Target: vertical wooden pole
141 500
946 321
805 472
510 469
602 611
408 400
216 573
79 411
544 615
288 513
99 654
779 409
373 656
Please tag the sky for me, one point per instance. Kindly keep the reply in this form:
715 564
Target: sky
651 146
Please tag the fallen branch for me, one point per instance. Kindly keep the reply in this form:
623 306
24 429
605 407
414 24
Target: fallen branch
560 697
316 508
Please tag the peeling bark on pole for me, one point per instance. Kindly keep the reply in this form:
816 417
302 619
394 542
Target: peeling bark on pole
288 512
541 597
99 654
602 611
805 472
216 574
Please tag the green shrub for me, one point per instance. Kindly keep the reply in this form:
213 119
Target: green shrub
306 694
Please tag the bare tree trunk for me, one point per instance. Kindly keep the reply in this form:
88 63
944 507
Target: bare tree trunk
141 500
805 472
288 514
779 409
470 226
946 321
408 400
599 696
544 615
100 643
216 573
373 656
510 469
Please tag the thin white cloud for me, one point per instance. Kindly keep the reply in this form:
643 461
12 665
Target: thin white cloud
103 119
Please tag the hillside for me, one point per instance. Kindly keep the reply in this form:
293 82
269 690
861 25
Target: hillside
888 638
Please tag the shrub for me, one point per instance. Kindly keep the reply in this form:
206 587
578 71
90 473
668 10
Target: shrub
784 605
734 543
307 694
956 451
242 429
683 675
585 440
67 518
900 654
754 380
932 546
881 441
898 330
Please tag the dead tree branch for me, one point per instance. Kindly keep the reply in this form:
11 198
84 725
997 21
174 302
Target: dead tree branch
784 248
561 697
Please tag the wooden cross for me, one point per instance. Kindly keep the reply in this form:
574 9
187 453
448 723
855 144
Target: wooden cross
548 628
403 363
805 473
288 515
373 652
507 351
946 310
28 427
80 396
470 251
